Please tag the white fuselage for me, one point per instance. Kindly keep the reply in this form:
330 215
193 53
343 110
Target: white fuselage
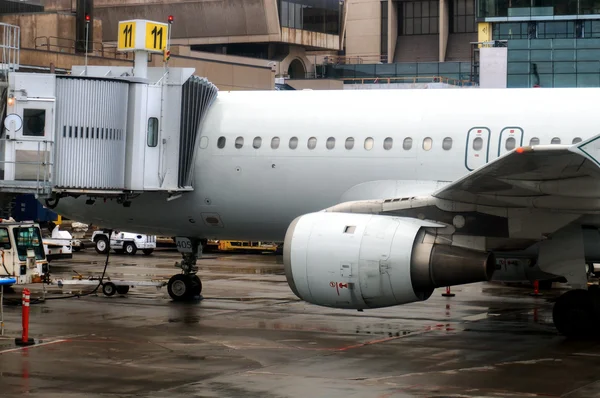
254 193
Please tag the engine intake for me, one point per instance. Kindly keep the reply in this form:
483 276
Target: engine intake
357 261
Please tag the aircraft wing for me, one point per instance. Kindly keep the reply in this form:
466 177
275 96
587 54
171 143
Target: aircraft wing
550 177
554 177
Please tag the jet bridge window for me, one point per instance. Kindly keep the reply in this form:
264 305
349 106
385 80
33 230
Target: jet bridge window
427 143
369 143
576 140
275 143
555 141
34 122
330 143
349 143
239 142
312 143
407 144
4 240
534 141
221 142
152 139
388 143
257 142
510 143
447 144
293 142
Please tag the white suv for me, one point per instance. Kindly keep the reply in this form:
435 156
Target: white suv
123 242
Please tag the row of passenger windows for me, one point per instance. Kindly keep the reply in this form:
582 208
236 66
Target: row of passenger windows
387 143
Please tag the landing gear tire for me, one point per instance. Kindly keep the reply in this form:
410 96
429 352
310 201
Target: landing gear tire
129 248
102 246
179 287
109 289
574 315
183 287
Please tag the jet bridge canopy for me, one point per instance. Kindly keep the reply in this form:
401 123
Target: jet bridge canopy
102 131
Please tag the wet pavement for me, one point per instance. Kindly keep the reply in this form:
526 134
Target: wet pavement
251 337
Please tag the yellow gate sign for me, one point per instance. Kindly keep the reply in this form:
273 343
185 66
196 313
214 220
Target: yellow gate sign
142 35
156 36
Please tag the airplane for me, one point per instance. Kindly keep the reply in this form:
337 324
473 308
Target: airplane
381 196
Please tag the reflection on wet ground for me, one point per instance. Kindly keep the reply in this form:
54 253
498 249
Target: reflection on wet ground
251 337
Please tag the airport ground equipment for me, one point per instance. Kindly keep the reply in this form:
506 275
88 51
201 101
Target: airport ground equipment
123 242
4 281
22 251
105 132
109 287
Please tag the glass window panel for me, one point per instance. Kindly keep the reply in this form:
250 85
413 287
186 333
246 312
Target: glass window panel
369 143
543 67
541 55
434 7
34 122
275 143
292 16
588 55
408 9
417 9
447 143
385 70
433 25
565 80
298 19
565 67
406 69
417 26
588 80
478 144
284 14
517 81
387 143
221 142
239 142
312 143
425 9
518 55
152 139
517 68
293 142
510 144
576 140
546 80
555 141
407 144
534 141
425 25
256 142
349 143
427 143
409 27
330 143
588 67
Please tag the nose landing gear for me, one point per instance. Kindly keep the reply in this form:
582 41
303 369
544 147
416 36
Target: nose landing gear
187 285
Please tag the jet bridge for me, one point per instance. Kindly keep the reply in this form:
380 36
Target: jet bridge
103 131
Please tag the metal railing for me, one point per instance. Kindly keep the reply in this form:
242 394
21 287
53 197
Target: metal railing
408 80
40 175
354 59
64 45
11 37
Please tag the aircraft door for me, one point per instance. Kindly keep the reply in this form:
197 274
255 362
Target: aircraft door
477 150
152 149
510 138
30 144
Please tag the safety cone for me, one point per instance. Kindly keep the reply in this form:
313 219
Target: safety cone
448 293
25 340
536 289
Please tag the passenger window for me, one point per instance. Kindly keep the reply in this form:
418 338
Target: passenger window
478 144
330 143
257 142
447 144
4 239
407 144
555 141
534 141
576 140
427 143
388 143
275 143
349 143
34 122
510 143
369 143
152 138
239 142
312 143
293 143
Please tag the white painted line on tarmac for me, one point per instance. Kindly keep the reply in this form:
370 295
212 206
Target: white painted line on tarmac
476 317
31 346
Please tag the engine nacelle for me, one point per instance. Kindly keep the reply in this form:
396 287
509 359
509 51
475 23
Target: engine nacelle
358 261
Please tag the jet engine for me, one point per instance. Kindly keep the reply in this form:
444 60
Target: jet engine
359 261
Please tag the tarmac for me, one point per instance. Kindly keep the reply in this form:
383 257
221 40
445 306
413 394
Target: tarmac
251 337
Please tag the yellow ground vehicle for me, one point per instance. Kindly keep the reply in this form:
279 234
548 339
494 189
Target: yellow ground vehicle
244 246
